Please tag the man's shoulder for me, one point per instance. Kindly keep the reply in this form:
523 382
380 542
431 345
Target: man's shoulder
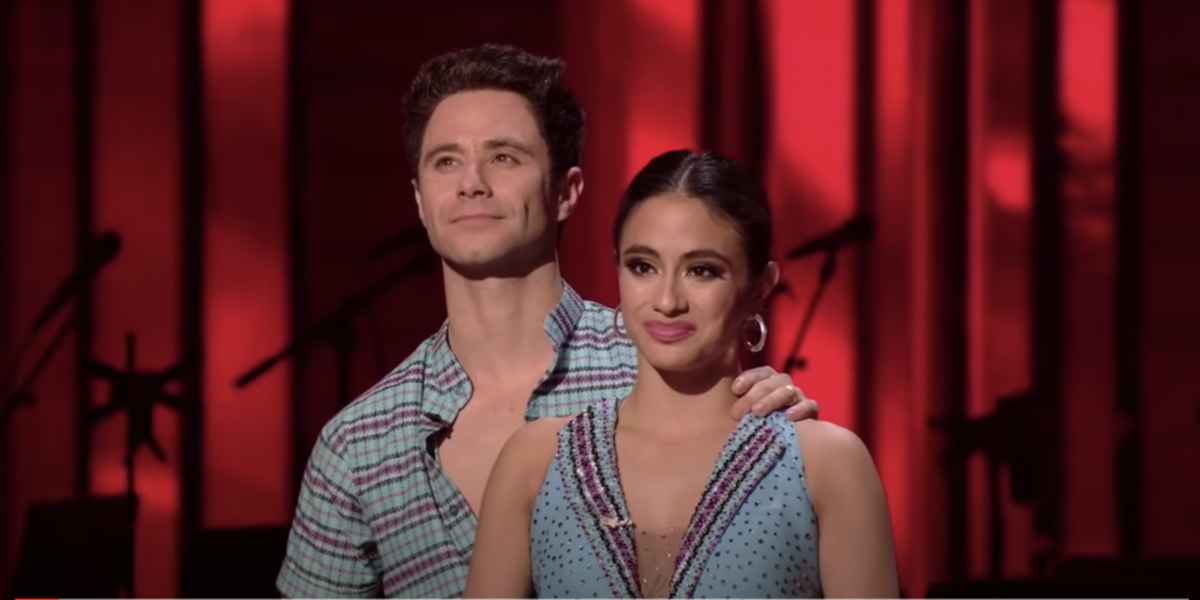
390 405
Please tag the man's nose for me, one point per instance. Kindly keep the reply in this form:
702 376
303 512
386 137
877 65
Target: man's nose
473 181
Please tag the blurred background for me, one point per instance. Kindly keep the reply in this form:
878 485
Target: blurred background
989 208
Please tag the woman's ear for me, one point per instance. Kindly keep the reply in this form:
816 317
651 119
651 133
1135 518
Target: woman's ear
766 283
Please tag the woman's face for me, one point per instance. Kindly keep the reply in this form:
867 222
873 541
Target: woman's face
686 286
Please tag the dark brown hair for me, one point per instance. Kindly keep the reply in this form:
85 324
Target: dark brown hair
496 67
720 182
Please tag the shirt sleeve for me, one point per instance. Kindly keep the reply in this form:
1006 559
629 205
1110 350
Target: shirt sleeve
331 552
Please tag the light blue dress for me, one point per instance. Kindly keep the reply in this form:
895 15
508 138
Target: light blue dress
753 534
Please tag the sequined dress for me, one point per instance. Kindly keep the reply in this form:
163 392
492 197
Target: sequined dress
753 534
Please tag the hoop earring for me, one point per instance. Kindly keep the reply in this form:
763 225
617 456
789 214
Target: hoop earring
757 346
616 328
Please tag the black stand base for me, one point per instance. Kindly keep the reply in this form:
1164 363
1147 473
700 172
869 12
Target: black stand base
235 563
78 548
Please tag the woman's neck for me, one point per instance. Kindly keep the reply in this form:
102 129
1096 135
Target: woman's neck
682 403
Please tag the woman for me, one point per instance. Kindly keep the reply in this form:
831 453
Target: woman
661 493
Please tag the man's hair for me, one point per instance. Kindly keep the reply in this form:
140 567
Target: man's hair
496 67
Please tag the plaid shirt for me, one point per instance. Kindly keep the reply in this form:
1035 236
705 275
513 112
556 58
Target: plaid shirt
376 512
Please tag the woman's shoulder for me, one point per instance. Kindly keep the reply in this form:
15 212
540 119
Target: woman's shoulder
836 461
527 455
537 435
828 438
539 438
820 437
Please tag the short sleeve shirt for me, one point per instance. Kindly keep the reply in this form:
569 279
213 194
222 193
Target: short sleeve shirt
376 513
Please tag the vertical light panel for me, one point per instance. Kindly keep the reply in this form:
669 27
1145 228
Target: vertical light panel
246 307
663 83
977 401
937 93
635 66
998 243
42 207
810 179
136 158
1087 66
597 73
897 426
1169 249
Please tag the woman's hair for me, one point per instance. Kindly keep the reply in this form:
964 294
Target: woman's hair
718 181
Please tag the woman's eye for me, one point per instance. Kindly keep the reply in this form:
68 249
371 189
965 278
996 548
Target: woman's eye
640 268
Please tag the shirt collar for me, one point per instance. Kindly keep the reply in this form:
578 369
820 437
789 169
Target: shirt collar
447 387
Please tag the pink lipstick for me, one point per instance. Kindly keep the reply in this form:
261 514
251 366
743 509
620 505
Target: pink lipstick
669 332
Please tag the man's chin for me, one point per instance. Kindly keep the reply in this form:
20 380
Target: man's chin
479 267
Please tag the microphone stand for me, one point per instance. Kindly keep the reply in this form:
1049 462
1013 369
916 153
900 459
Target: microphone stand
102 250
11 372
22 395
794 361
338 328
998 437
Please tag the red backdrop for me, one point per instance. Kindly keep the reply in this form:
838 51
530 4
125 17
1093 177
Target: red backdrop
1028 167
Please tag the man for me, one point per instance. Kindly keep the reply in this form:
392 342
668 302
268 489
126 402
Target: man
389 499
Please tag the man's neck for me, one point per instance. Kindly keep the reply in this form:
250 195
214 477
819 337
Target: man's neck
497 326
682 403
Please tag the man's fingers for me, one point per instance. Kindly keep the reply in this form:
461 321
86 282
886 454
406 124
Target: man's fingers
769 395
746 380
806 409
779 399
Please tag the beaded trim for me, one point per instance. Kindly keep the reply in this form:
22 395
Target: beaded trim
593 491
595 496
751 453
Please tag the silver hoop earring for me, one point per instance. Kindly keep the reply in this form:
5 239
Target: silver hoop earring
757 346
617 328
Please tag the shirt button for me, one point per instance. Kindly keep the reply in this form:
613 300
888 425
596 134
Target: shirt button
453 510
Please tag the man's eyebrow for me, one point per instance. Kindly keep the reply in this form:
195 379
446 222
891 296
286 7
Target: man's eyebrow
438 149
491 144
515 144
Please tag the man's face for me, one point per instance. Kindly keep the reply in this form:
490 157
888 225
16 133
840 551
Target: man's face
484 188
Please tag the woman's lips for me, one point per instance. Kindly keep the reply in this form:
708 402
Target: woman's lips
669 332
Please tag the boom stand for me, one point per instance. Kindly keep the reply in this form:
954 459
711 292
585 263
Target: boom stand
794 361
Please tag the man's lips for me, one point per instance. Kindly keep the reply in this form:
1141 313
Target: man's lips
473 219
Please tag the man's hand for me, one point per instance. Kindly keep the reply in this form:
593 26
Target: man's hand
764 391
